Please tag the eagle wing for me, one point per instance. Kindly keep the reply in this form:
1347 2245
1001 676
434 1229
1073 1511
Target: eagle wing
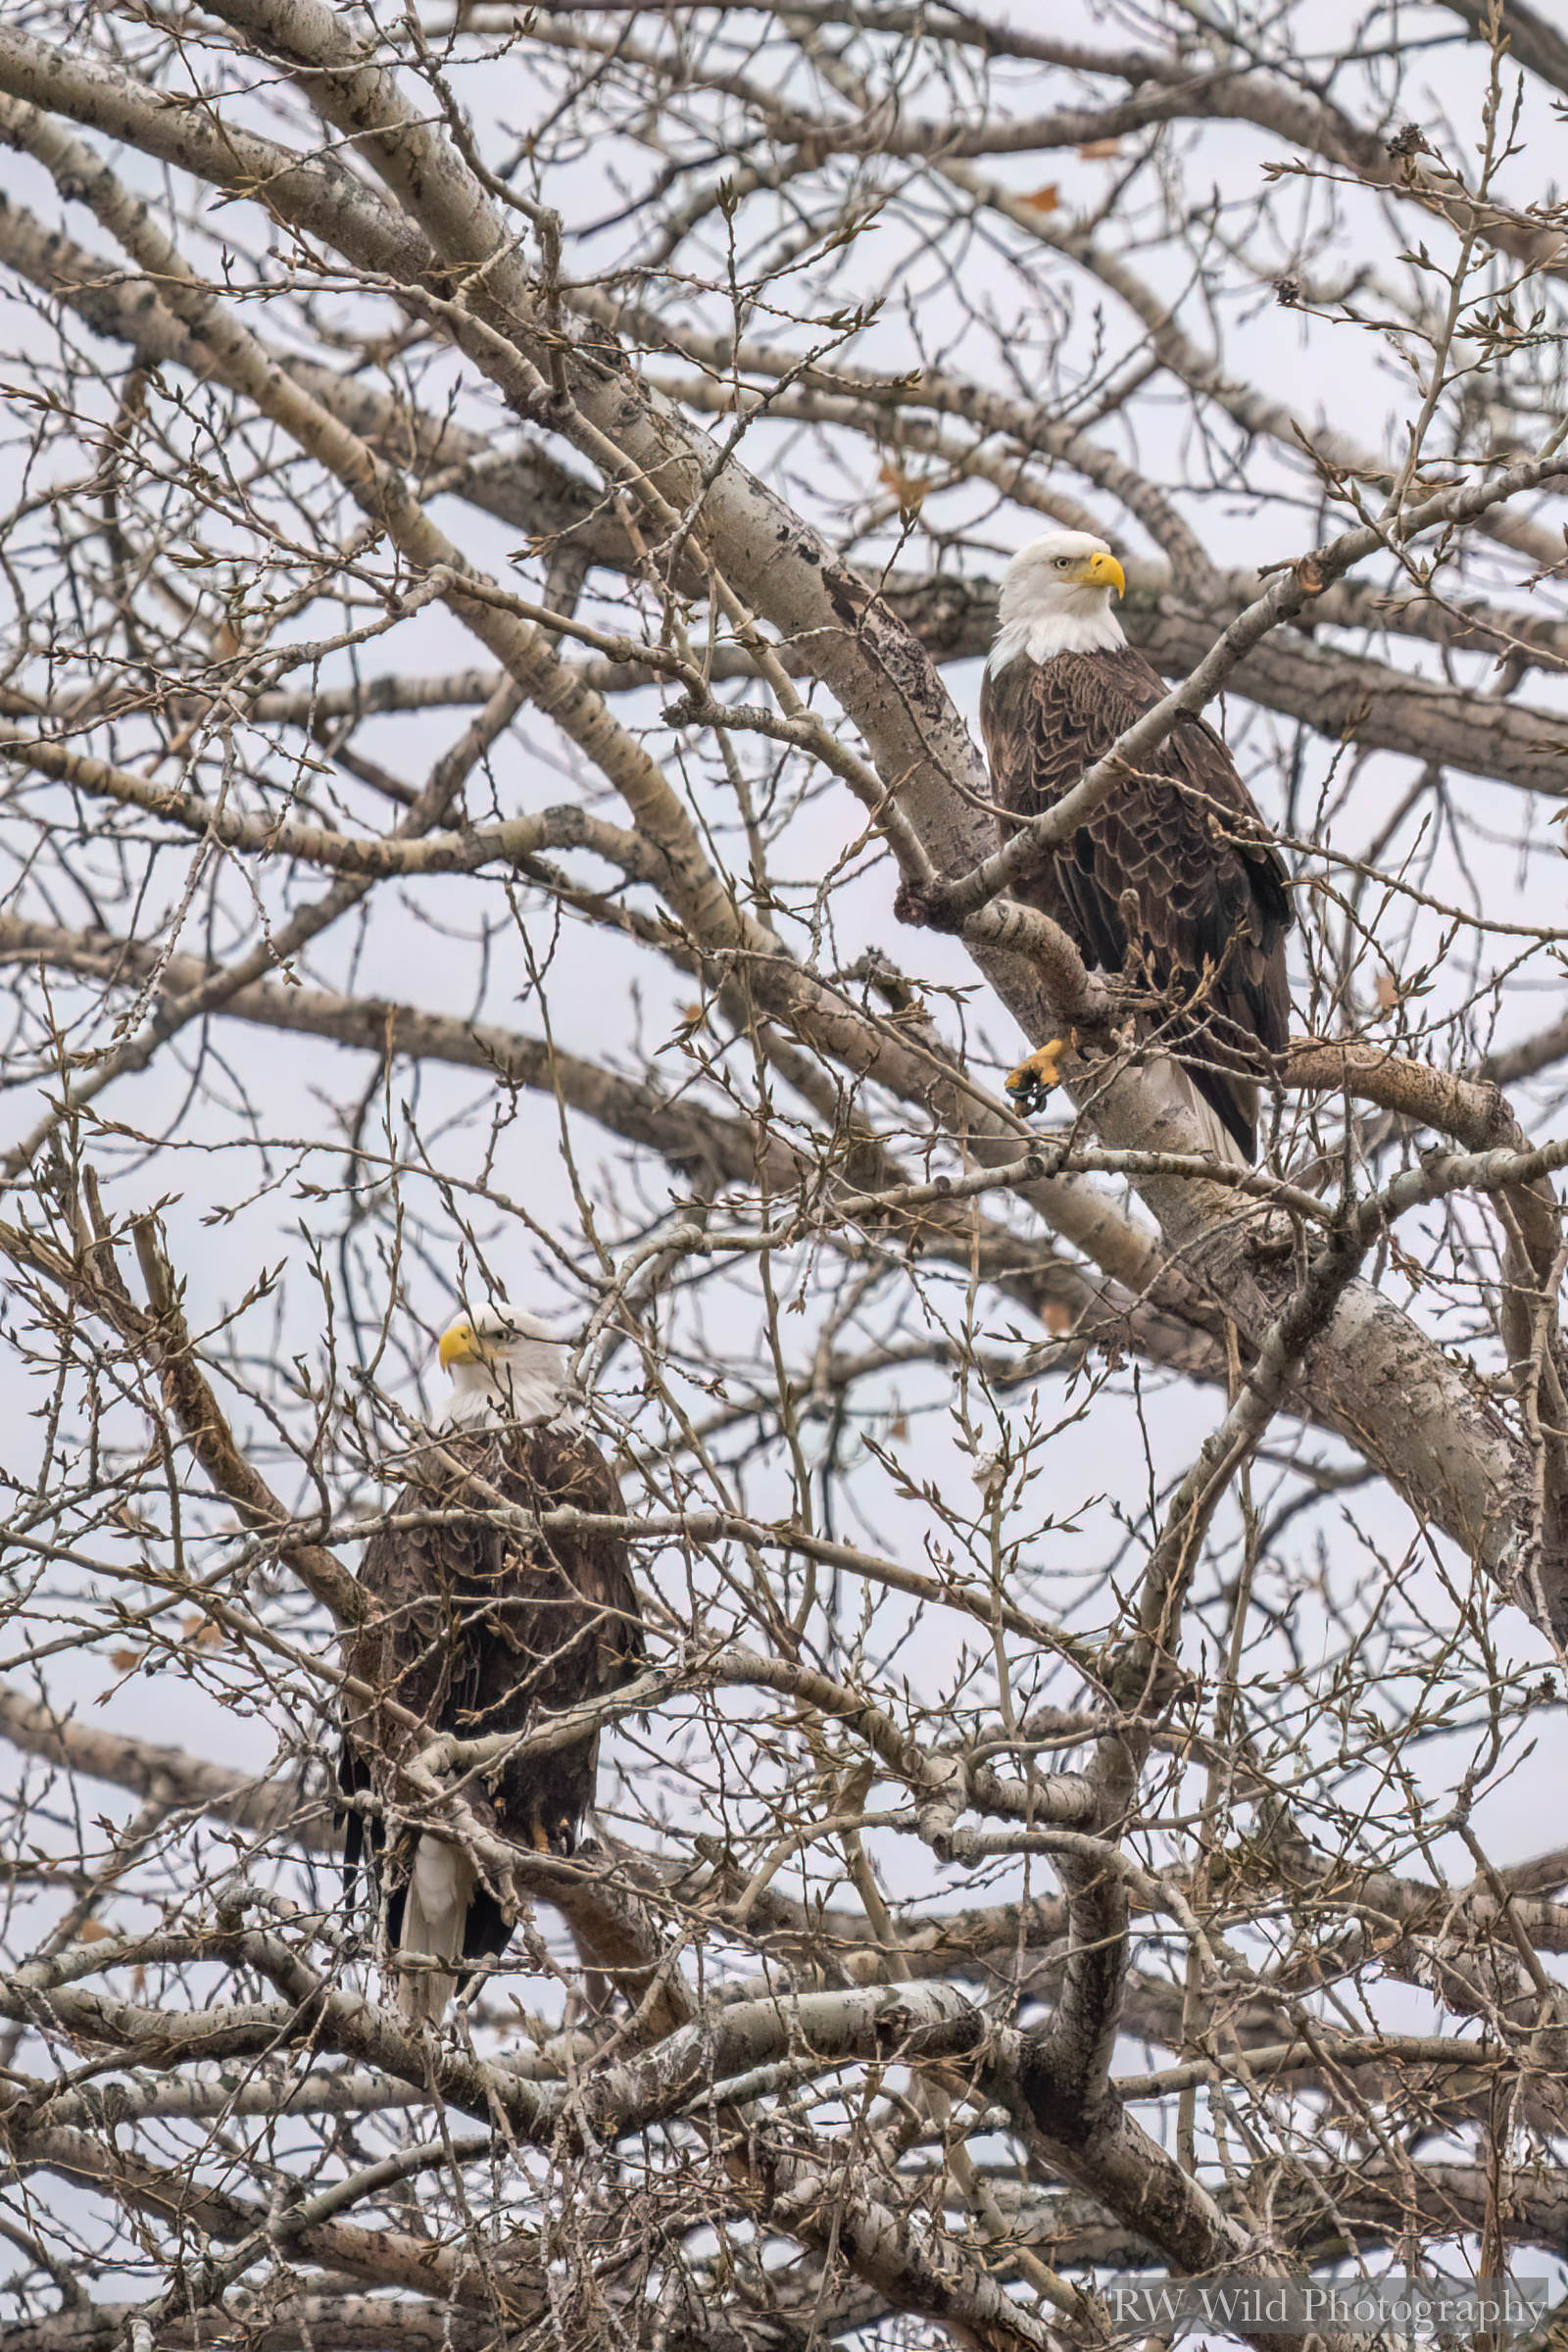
482 1627
1173 878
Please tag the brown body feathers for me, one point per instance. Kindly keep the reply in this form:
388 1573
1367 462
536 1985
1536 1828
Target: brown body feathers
1173 881
485 1627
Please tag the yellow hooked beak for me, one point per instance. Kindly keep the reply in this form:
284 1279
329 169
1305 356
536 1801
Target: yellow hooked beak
460 1344
1103 570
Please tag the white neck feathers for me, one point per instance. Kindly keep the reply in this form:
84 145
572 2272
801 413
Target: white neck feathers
1040 634
526 1402
525 1384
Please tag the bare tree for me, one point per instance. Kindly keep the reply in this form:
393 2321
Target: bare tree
504 510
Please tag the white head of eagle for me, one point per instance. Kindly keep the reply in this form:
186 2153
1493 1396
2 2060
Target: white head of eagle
505 1367
1055 599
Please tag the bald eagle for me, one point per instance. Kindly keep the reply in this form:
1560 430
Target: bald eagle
479 1627
1173 881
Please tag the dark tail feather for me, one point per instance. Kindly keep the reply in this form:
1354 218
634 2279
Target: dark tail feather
487 1931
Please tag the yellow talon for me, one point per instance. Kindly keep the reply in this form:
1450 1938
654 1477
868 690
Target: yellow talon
1032 1081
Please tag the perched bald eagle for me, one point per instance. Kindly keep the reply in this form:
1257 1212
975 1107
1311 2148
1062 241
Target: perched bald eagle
480 1628
1173 880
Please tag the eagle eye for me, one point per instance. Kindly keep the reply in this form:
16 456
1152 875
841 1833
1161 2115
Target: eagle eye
1063 562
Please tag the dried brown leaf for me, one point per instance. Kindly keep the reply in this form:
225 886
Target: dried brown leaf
906 488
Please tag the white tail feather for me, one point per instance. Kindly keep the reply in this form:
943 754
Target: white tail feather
1177 1094
435 1913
